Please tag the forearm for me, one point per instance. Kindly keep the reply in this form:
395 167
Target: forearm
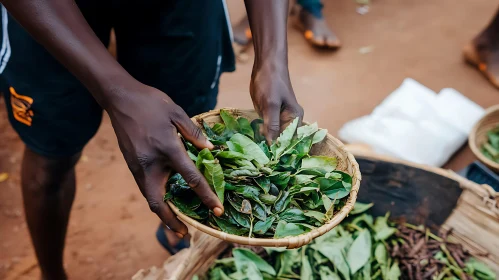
61 28
268 22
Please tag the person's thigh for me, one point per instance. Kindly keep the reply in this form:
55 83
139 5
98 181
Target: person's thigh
49 108
175 46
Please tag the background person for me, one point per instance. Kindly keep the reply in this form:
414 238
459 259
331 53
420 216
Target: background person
170 57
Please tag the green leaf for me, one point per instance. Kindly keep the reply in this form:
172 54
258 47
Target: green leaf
285 261
326 274
322 163
315 214
250 148
284 229
264 183
493 138
234 200
381 254
359 208
245 164
230 155
261 227
212 136
265 148
242 256
394 273
192 156
306 130
204 154
282 201
280 179
381 228
303 179
267 198
334 252
305 190
189 211
480 270
334 175
257 126
228 227
215 177
245 127
218 274
330 183
328 204
366 271
284 140
306 270
240 174
259 212
359 253
231 123
218 128
241 219
247 191
247 271
293 215
234 147
319 136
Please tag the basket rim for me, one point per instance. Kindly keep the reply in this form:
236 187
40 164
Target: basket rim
290 241
472 138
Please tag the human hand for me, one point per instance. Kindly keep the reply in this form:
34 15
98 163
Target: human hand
274 99
146 122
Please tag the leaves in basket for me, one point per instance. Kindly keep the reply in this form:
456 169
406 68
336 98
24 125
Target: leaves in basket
274 190
352 251
243 256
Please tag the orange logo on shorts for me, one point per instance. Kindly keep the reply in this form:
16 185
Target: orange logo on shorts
21 107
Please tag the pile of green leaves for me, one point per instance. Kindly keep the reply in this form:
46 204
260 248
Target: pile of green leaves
490 149
360 248
267 191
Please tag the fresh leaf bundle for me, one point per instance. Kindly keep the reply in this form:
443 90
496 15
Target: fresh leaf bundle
360 248
267 191
490 149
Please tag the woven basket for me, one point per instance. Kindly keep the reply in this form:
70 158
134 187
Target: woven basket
329 147
478 135
474 223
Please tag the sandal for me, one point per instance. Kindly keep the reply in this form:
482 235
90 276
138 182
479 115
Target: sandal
309 34
163 240
472 58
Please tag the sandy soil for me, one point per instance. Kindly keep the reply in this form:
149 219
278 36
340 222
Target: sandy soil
111 232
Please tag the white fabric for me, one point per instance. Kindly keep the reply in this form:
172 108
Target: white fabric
416 124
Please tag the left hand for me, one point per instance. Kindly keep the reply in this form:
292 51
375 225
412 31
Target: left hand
274 99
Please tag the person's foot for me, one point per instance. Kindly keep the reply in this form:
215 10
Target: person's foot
315 29
242 32
483 53
242 39
170 241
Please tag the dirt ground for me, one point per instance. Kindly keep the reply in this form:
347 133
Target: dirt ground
111 232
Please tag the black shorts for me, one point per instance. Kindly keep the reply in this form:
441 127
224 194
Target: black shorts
177 46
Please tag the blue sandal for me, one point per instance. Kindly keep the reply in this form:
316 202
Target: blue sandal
163 240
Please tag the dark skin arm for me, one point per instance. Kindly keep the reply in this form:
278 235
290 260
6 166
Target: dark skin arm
270 87
146 120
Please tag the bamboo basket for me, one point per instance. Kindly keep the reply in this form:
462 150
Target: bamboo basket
474 222
478 135
329 147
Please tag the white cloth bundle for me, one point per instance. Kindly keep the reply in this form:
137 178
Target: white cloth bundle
416 124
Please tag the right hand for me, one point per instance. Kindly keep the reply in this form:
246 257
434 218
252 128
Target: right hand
146 122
